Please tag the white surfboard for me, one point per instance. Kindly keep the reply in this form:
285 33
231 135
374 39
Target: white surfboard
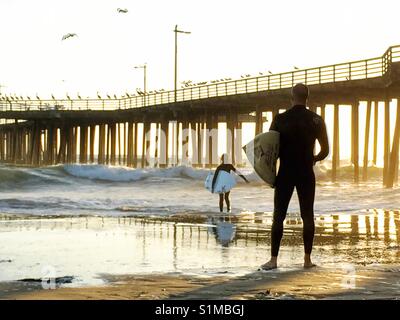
224 183
263 152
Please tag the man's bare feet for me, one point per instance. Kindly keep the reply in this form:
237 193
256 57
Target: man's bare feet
270 265
307 262
308 265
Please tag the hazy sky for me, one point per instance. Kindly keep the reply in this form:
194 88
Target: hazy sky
229 38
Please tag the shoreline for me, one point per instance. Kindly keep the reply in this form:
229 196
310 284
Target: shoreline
204 256
319 283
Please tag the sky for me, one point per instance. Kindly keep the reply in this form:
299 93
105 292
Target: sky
228 39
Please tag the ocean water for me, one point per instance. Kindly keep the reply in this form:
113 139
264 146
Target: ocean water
88 221
98 190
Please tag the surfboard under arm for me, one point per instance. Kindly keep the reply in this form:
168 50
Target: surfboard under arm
262 153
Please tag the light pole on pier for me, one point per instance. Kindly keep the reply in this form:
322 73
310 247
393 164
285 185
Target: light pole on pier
176 57
144 67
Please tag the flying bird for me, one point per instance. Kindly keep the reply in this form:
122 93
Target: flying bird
122 10
69 35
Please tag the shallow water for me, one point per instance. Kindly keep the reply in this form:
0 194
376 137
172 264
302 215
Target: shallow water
114 191
88 248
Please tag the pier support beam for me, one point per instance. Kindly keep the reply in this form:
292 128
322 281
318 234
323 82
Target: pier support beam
214 133
164 144
335 149
259 121
231 146
101 157
83 144
200 140
70 142
193 143
113 144
63 145
386 142
135 144
145 145
92 141
118 128
366 141
129 156
185 142
355 139
178 129
238 142
156 142
394 155
375 131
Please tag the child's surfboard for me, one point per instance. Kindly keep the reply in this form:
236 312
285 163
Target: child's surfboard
263 152
224 183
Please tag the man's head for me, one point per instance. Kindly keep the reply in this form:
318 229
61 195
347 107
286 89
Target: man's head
299 94
225 158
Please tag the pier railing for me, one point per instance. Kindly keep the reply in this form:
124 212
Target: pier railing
355 70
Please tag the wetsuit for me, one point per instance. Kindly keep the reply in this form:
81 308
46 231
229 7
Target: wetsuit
298 128
228 168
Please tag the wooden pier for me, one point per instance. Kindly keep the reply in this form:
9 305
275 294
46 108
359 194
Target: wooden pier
182 126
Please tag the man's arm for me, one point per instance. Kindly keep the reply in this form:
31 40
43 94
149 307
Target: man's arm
239 174
322 138
274 124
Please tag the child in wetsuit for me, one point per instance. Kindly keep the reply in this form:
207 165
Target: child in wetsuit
228 167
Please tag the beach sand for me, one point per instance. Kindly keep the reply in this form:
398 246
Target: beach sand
203 256
319 283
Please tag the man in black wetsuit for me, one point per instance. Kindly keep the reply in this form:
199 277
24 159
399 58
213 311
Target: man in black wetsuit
298 128
227 167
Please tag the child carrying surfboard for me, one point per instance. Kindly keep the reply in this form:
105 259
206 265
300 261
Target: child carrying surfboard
223 181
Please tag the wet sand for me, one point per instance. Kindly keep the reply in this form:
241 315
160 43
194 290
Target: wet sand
319 283
202 256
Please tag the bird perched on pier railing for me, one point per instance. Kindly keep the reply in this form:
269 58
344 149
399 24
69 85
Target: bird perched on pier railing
79 97
53 97
115 97
29 98
108 96
296 68
68 35
99 96
37 97
122 10
68 97
127 94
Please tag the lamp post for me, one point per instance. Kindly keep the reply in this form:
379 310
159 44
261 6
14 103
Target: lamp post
176 57
144 67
